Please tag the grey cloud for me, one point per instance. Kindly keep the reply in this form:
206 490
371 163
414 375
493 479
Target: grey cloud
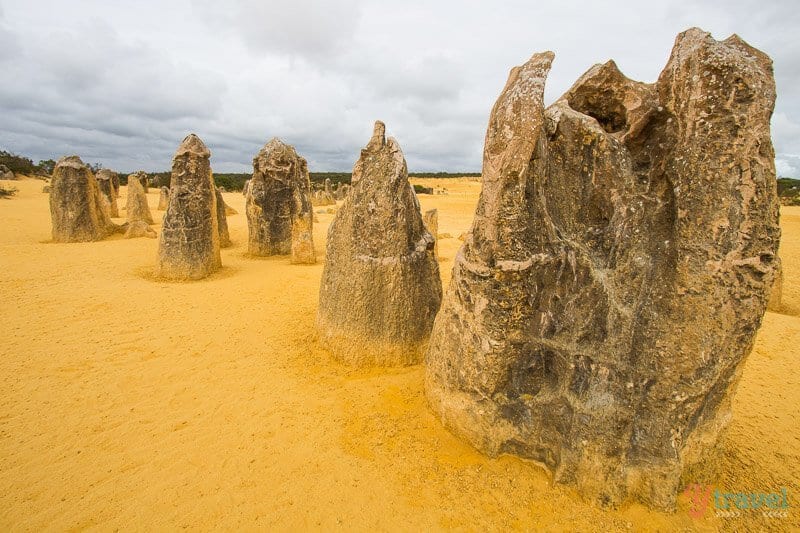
310 29
788 165
83 90
125 86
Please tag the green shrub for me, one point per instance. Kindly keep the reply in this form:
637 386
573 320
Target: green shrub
17 163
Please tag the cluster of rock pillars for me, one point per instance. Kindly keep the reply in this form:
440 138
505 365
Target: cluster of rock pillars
619 263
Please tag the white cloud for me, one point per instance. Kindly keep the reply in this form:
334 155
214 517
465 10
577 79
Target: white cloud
122 83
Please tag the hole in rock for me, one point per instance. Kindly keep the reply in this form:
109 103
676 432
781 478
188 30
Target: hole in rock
607 110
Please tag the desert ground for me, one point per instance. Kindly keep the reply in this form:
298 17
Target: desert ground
132 403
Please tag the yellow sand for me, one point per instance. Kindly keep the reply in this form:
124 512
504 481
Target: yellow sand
136 404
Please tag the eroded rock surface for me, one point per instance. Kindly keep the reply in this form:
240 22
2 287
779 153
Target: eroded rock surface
189 245
222 220
380 288
619 264
278 204
105 181
77 210
431 220
136 206
115 183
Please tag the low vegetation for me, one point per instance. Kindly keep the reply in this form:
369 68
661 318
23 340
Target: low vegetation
22 165
236 181
789 191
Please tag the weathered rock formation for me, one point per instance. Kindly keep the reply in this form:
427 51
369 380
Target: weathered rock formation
342 189
136 205
189 243
325 196
139 228
619 265
76 206
279 216
115 183
6 173
108 194
222 220
321 198
245 188
303 234
431 220
163 199
380 287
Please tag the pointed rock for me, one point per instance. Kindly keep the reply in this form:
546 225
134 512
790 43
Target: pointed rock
380 286
136 206
163 199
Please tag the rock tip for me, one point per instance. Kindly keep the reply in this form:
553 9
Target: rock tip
378 138
193 145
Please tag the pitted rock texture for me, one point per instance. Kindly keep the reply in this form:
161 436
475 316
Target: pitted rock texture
380 287
105 181
189 245
136 206
619 264
278 203
222 220
77 208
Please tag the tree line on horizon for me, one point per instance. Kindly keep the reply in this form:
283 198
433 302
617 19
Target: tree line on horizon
233 181
788 188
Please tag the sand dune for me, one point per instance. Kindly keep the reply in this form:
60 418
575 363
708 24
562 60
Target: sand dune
139 404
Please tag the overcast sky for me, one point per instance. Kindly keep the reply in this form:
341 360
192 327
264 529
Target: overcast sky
121 83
